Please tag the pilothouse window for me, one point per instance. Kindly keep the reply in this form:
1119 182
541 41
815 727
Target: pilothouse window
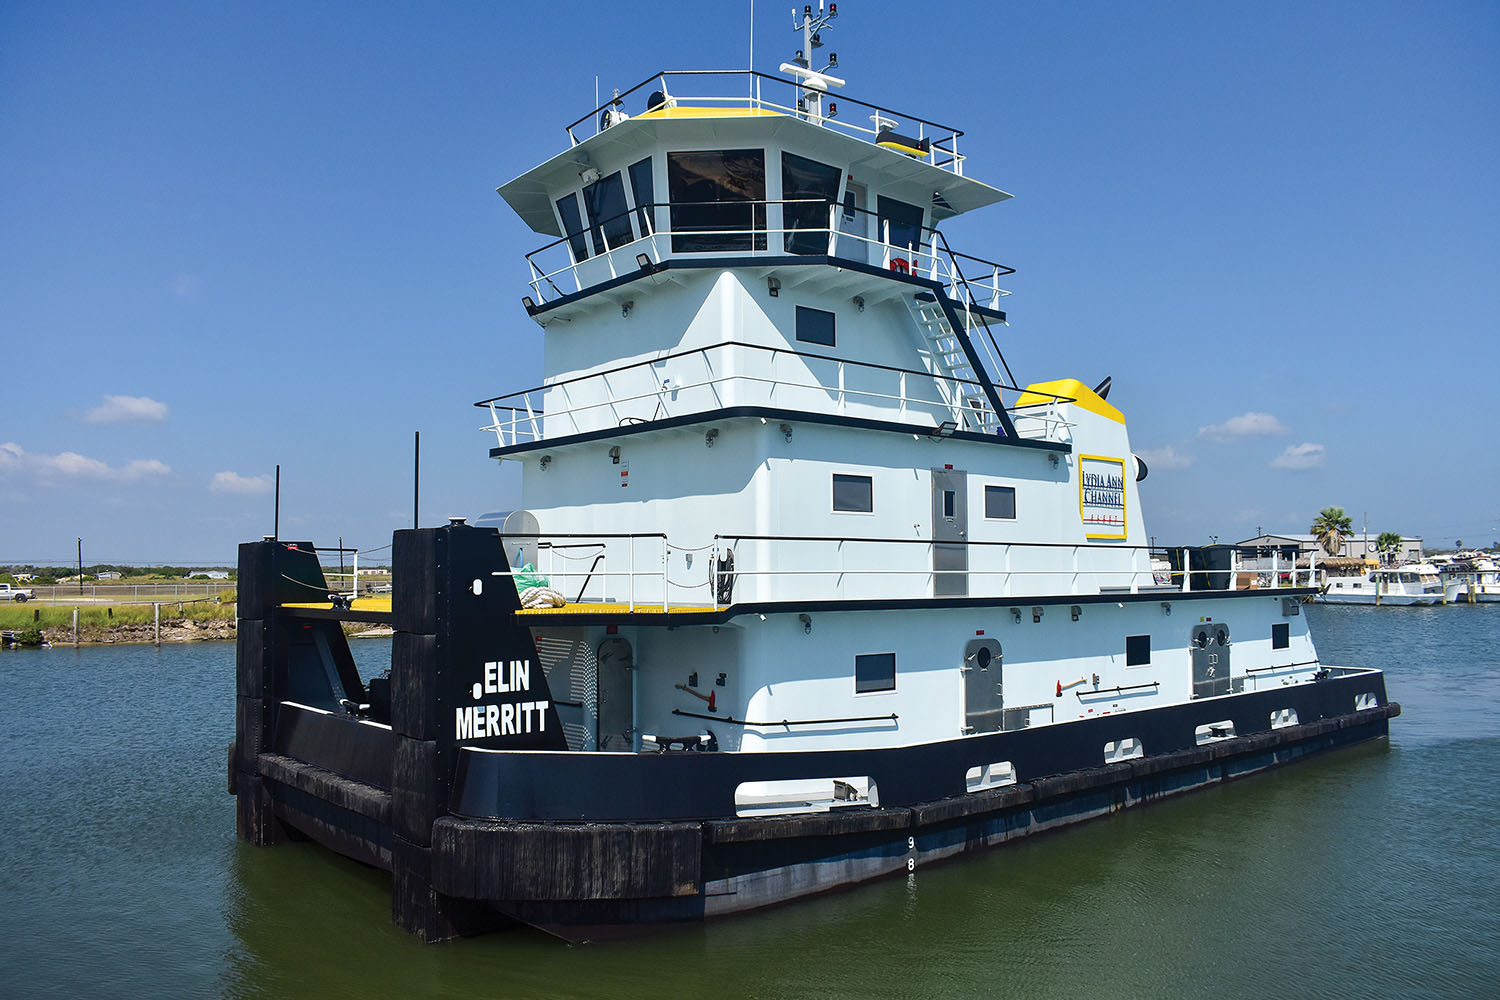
572 223
718 200
643 186
815 326
807 189
609 217
904 222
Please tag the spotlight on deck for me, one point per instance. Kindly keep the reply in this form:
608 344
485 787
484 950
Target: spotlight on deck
773 285
806 621
529 303
944 429
643 261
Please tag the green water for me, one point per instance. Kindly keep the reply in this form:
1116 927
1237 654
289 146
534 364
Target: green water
1370 872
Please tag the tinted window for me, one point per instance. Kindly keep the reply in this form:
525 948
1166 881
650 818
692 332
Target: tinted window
875 672
1000 502
567 208
1137 650
1281 635
643 186
718 199
853 493
803 179
609 217
905 222
814 326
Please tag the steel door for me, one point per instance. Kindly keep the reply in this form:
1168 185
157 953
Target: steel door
854 223
1210 660
950 533
984 688
616 696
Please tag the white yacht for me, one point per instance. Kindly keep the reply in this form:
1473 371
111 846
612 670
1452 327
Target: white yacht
1469 577
808 589
1414 583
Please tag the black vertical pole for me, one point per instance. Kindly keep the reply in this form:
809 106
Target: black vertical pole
276 519
80 566
416 479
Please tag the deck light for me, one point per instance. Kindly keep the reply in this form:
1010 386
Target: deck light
545 461
1166 607
773 285
1076 612
614 455
806 621
944 429
1052 457
643 261
710 436
1036 613
1016 614
859 303
625 308
529 303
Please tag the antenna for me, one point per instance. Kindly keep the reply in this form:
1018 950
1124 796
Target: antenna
814 83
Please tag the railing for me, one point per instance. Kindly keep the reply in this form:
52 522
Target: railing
762 92
741 374
128 593
768 234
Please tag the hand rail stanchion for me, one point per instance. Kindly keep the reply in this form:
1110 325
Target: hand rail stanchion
1187 571
631 541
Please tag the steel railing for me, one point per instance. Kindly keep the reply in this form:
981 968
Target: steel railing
754 94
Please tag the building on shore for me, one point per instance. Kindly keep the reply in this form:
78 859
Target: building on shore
1359 545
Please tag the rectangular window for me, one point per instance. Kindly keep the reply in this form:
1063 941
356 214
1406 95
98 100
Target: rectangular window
718 200
905 223
609 216
854 494
1000 503
572 223
950 498
1281 635
874 672
807 189
1137 650
814 326
643 187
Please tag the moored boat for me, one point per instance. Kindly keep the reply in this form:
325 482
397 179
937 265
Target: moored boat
805 589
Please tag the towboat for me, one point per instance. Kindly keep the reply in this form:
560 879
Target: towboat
804 588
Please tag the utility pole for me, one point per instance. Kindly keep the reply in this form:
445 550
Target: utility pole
80 568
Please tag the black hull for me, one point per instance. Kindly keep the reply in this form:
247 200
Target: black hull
585 880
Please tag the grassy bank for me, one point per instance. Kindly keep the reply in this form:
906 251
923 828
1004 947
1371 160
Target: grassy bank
56 616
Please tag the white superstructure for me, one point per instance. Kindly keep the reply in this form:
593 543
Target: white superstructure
777 468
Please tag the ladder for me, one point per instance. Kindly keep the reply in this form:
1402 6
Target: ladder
946 358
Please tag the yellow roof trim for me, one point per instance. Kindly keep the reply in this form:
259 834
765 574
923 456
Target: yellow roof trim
709 113
1072 391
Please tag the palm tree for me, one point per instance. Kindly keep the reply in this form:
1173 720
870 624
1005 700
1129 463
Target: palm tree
1331 527
1388 544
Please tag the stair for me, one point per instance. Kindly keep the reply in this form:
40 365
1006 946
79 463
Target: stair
944 350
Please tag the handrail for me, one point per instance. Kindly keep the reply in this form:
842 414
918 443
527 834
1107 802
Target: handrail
754 347
731 720
662 75
1118 690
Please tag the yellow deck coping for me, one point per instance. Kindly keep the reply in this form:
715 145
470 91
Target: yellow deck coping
616 610
358 604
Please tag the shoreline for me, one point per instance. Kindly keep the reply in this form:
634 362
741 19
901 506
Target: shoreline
173 630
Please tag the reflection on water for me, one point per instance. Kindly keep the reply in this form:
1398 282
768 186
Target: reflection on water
1367 872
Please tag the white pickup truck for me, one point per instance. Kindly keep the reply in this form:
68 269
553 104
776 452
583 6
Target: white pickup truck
18 594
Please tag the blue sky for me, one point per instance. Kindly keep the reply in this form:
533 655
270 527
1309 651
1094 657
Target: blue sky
241 234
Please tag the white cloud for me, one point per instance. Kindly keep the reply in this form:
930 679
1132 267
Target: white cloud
238 485
119 409
1301 456
49 470
1244 425
1165 458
